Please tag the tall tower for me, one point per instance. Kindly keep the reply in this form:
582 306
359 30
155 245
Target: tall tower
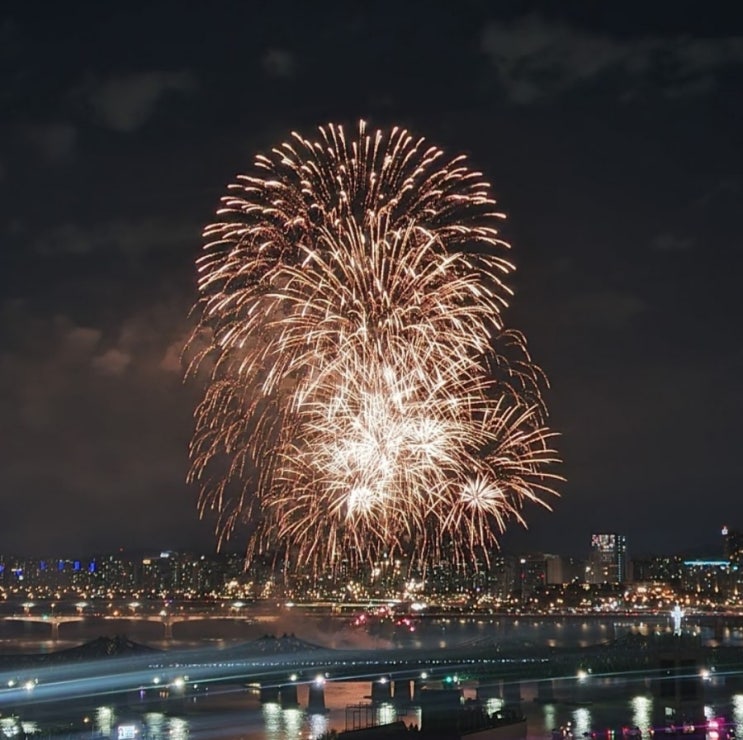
732 545
608 560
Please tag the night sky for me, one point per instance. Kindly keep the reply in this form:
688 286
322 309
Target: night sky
614 141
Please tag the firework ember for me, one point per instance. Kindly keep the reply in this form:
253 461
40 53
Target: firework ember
363 394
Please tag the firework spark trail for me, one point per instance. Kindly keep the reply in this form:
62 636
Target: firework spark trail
364 396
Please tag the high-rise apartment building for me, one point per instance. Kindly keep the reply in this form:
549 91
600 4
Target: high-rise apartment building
732 550
732 545
608 559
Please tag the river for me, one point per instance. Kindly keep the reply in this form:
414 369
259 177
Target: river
235 712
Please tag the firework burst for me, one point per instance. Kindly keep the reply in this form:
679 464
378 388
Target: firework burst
363 395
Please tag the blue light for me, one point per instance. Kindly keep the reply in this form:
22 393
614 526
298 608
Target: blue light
705 563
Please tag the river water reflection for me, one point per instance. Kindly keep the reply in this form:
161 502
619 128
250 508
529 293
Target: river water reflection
236 712
237 715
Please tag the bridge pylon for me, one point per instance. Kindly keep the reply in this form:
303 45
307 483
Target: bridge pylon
488 689
402 694
316 698
511 691
381 690
288 695
269 694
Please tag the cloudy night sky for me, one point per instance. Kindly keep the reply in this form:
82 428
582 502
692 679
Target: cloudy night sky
613 139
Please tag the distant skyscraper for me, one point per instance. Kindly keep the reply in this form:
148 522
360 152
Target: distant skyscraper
532 574
608 560
732 545
732 550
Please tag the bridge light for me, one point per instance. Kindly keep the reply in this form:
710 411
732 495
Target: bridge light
29 685
383 680
11 683
156 680
293 677
178 683
319 680
582 675
424 675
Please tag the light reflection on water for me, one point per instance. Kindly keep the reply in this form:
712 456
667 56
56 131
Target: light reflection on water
178 728
287 723
293 719
738 714
104 720
154 723
239 716
318 725
642 713
582 722
550 719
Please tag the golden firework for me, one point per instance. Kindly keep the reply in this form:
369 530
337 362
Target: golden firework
363 395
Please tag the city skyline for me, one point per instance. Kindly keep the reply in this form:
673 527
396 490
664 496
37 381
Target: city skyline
605 580
726 545
611 142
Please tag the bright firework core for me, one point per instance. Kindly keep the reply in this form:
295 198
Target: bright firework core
363 396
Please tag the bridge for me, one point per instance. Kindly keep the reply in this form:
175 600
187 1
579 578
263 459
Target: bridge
276 666
169 613
164 617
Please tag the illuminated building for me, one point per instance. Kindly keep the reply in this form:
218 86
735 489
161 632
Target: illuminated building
532 575
608 559
732 545
502 576
706 577
657 569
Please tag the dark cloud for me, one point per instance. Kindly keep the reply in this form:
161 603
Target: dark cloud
11 39
124 104
127 236
605 309
112 362
537 59
669 242
55 142
278 63
93 422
